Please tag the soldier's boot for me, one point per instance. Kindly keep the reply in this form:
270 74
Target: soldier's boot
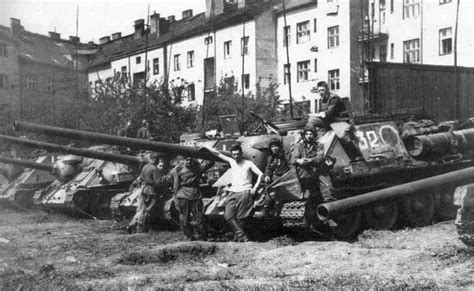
187 230
239 234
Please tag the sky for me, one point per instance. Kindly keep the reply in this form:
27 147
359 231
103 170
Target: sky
97 18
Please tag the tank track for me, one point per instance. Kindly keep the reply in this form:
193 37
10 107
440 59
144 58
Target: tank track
293 214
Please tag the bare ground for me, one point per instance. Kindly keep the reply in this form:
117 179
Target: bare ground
46 251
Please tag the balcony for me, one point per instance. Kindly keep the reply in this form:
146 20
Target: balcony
378 32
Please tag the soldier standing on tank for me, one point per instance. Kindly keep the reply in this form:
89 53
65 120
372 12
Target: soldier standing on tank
331 110
239 204
277 165
308 157
144 131
154 180
188 196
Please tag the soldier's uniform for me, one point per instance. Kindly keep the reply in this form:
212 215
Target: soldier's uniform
188 197
154 185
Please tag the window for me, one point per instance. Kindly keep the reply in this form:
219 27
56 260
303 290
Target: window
246 81
191 92
392 51
445 41
334 80
208 40
190 59
49 85
315 65
227 49
315 25
391 6
286 72
303 71
244 45
383 53
124 73
30 82
411 8
333 36
411 51
3 81
3 50
177 66
138 60
445 1
286 35
302 32
382 11
156 66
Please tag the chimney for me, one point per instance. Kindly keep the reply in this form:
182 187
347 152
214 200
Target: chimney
73 39
187 13
139 28
15 26
104 39
54 35
171 18
214 7
116 35
155 24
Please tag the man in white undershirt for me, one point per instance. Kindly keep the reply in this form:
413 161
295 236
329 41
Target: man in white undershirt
239 205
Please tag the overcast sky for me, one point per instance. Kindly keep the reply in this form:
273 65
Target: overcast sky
97 18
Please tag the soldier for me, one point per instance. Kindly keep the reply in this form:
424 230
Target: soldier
332 109
239 205
308 157
154 181
188 196
144 131
126 131
277 165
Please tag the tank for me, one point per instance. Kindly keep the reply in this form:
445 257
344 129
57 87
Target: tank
394 154
87 179
464 201
19 191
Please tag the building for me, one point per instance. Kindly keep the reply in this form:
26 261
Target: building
37 72
299 44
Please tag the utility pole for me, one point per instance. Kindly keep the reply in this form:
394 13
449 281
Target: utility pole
288 66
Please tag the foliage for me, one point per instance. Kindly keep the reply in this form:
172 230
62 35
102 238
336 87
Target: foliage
227 100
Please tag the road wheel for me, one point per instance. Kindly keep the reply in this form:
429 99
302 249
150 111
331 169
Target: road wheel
418 209
381 216
348 225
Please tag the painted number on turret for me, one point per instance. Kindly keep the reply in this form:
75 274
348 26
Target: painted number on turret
377 136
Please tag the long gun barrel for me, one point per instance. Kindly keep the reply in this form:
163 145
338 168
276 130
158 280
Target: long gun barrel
133 143
332 209
27 164
124 159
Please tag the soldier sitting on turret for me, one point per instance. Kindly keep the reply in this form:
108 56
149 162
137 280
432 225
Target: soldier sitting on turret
332 109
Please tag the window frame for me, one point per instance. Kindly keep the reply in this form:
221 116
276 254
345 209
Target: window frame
303 36
443 38
31 82
138 60
244 45
245 79
302 71
208 40
442 2
176 62
3 81
412 6
3 50
286 35
334 80
156 66
333 37
190 59
407 53
286 73
228 49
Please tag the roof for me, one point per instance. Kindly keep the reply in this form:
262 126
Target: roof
292 6
178 30
42 49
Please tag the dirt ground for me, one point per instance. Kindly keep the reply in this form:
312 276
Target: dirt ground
51 251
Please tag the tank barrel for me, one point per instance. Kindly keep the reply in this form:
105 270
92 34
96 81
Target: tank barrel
332 209
124 159
27 164
133 143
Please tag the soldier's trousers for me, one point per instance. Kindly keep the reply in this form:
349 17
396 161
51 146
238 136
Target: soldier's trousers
186 208
325 186
143 217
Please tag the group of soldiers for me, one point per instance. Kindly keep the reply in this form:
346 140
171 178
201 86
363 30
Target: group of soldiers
143 132
307 156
